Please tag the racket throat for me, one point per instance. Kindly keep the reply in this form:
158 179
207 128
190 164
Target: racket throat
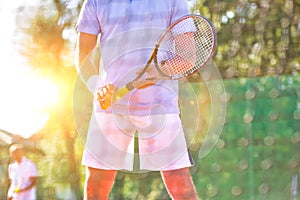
130 86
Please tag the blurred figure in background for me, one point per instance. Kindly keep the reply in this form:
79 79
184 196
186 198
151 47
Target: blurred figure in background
22 174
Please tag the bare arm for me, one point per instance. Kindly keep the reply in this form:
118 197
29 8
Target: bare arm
9 194
33 181
84 46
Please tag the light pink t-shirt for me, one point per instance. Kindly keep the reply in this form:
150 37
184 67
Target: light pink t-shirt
19 175
128 32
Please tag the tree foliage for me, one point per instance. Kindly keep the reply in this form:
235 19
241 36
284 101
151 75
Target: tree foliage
47 34
255 38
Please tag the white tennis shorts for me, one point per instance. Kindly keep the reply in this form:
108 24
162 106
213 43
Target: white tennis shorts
161 141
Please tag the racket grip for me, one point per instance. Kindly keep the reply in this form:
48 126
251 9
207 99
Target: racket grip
120 93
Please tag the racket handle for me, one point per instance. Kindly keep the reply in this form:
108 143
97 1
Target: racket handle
123 91
127 88
145 85
120 93
117 95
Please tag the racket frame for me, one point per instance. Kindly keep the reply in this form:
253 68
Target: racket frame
119 93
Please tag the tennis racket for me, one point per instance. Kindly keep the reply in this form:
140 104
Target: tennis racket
183 48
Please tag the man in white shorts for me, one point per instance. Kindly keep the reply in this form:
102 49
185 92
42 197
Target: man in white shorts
127 31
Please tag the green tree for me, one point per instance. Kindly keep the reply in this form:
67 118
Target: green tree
47 42
255 38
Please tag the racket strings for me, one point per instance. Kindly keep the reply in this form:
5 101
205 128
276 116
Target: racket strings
186 47
205 40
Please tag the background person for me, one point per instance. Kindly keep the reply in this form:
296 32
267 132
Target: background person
22 174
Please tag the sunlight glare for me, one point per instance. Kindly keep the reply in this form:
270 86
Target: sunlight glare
26 98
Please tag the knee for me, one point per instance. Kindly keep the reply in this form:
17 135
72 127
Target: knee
99 176
98 183
179 184
178 173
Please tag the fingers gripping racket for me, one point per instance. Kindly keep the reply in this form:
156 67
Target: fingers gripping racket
184 47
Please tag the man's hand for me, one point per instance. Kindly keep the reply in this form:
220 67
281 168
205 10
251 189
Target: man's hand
105 93
104 96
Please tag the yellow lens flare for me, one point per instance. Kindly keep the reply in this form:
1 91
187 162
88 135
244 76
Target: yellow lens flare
26 99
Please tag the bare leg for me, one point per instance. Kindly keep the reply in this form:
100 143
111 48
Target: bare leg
98 183
179 184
